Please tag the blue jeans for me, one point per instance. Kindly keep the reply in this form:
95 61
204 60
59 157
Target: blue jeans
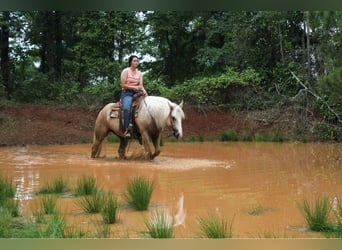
127 100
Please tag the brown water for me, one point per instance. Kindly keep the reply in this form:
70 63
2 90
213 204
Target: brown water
257 184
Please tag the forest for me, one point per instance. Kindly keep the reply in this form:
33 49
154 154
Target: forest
231 60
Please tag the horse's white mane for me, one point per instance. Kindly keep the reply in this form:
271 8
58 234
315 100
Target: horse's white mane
159 108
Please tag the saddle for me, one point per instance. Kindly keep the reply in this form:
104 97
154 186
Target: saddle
117 112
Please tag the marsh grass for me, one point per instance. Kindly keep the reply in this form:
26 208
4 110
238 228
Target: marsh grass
317 214
138 193
58 186
110 207
92 203
7 189
5 223
102 231
48 204
86 185
160 225
215 226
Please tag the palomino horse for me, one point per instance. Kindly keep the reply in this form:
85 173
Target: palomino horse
153 114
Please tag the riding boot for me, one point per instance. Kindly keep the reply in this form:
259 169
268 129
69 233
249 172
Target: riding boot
129 131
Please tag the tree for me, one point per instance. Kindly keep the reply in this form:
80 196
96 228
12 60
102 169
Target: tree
175 35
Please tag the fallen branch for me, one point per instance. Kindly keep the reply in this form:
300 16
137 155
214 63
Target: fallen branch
315 95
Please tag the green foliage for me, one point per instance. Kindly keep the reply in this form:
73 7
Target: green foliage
217 90
330 86
138 192
160 225
326 132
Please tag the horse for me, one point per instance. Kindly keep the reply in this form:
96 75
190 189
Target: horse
152 115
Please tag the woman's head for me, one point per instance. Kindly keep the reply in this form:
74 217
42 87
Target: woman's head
131 58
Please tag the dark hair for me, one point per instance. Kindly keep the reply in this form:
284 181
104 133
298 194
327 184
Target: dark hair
130 59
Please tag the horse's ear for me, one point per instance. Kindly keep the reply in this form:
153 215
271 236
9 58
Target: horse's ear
181 104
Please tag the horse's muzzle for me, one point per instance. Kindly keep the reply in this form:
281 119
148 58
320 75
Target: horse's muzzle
176 134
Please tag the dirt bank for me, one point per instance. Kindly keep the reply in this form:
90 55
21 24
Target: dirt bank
40 124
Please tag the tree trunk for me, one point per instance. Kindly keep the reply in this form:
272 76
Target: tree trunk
308 56
59 47
4 51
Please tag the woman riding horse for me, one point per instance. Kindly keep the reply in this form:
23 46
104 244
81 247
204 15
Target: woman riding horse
131 83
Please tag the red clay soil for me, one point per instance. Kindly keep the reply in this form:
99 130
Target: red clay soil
39 124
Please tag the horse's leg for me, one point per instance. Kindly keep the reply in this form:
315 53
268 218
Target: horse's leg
122 148
156 143
145 142
97 145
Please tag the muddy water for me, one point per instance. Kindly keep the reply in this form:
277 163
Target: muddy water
255 184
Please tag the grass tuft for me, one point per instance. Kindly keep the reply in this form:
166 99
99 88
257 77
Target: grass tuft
58 186
138 193
215 226
317 213
110 209
86 185
160 225
48 204
91 203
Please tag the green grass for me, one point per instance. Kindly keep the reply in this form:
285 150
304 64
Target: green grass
215 226
138 193
92 203
266 137
110 207
86 185
160 225
229 136
58 186
317 214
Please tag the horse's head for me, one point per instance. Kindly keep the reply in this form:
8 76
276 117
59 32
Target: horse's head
176 117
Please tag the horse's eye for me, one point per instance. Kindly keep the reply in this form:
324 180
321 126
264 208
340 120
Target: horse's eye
173 118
